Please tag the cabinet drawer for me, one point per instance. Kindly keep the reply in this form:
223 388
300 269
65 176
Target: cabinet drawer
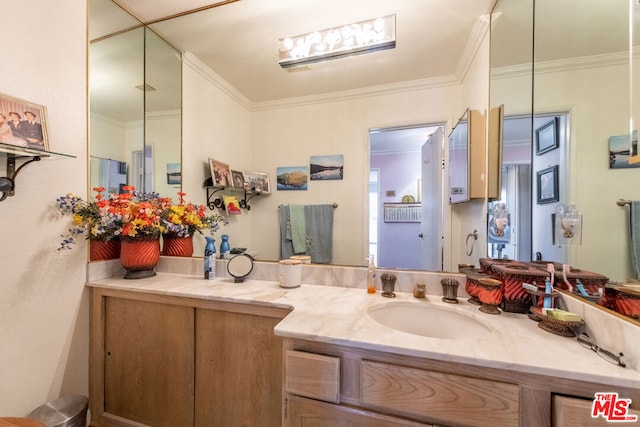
575 412
435 395
307 412
313 375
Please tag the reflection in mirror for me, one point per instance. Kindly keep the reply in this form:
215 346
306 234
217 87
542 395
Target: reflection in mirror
459 161
581 82
635 82
135 98
404 189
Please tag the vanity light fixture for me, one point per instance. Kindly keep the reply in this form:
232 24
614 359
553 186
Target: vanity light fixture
361 37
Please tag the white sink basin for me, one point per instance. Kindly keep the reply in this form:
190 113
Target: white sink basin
428 321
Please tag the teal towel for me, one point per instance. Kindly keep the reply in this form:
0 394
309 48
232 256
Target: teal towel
298 228
319 224
634 236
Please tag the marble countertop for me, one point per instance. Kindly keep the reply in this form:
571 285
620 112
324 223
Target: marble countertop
338 315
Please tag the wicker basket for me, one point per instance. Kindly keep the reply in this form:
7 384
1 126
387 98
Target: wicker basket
516 299
626 301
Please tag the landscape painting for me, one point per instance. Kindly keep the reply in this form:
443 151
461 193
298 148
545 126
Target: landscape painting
292 177
620 151
327 167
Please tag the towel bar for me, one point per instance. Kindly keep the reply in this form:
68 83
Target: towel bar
623 202
335 206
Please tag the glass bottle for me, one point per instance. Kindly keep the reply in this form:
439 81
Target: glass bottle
371 276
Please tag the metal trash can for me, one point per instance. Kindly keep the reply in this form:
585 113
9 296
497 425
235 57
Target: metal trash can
69 411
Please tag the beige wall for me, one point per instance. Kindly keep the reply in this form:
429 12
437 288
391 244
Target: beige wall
43 304
263 137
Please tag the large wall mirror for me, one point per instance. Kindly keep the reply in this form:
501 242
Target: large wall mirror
135 104
578 69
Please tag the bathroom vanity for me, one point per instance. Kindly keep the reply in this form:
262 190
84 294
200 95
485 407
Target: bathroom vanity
178 350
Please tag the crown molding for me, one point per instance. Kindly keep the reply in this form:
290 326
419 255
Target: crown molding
560 65
371 91
193 62
479 31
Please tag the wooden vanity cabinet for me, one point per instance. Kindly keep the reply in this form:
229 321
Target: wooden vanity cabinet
169 361
378 388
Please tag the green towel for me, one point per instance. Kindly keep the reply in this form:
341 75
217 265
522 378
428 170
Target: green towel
298 228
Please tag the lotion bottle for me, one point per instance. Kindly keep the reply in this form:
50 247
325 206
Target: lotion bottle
371 276
210 259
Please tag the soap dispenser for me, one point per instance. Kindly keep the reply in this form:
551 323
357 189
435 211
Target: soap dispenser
371 276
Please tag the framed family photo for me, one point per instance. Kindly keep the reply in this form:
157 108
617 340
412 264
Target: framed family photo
257 182
238 179
547 138
220 174
23 124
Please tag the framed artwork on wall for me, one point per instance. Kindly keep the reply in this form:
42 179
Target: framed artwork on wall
23 124
547 138
238 179
257 181
220 174
403 212
548 185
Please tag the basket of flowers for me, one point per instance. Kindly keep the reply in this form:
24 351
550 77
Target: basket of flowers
181 221
96 221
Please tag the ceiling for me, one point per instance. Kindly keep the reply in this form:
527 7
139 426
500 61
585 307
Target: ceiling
238 41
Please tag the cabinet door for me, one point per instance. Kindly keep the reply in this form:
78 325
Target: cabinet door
307 412
238 370
148 372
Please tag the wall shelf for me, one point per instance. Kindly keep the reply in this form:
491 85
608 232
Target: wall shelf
243 194
16 159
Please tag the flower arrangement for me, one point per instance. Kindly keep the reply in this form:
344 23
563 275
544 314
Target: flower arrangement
96 219
132 215
185 218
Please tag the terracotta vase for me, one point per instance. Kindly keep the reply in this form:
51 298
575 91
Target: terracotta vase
139 256
173 245
100 250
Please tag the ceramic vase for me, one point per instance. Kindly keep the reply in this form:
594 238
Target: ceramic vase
139 256
101 250
173 245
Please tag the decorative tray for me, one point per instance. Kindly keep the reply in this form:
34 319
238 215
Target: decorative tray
559 327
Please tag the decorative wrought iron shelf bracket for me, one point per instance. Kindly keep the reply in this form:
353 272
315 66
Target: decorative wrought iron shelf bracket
218 202
8 183
26 155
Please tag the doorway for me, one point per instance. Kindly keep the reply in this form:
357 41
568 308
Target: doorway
406 182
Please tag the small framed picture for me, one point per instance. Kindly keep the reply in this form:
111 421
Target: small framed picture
257 182
23 124
292 177
174 174
238 179
547 138
548 185
220 174
402 212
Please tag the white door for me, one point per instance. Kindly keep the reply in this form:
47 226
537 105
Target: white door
431 197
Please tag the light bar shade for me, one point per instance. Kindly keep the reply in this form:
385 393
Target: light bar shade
352 39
